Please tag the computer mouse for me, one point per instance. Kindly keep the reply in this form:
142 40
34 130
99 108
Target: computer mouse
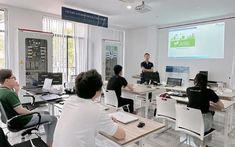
141 125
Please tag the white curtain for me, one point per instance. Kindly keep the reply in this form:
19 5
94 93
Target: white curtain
81 48
63 30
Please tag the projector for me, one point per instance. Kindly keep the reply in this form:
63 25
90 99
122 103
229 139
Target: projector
129 1
143 8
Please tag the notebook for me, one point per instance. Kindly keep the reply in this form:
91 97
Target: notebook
49 97
123 117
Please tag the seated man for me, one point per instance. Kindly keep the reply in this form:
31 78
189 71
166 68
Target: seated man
116 83
82 118
11 103
200 97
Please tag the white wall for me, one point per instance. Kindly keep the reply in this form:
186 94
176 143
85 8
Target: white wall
29 19
20 18
139 41
219 69
95 46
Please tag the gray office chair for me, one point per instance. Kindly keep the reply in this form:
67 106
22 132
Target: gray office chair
37 142
13 125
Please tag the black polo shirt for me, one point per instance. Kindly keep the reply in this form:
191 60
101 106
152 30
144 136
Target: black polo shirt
116 83
200 98
146 65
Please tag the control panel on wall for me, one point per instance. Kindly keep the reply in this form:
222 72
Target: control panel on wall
36 59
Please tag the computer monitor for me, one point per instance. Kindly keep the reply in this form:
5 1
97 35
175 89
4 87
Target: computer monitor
41 77
204 73
174 81
57 78
150 76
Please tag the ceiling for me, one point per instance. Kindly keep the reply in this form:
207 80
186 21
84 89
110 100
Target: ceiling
163 11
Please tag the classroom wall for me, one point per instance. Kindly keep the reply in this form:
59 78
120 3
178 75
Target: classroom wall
95 45
155 41
29 19
20 18
138 41
219 69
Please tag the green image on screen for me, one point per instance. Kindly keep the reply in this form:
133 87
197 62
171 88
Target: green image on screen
181 41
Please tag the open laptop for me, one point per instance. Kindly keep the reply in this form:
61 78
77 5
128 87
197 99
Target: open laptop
123 117
171 82
41 90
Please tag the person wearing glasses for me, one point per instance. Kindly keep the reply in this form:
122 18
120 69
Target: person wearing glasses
10 101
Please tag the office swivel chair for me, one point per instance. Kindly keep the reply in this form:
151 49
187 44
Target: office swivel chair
37 142
13 125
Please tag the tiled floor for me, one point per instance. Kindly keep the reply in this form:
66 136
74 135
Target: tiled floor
170 137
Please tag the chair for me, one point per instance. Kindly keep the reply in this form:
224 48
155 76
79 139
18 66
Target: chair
185 122
14 127
166 108
37 142
110 98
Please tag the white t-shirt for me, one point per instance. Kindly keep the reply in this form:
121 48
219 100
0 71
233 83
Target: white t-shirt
79 123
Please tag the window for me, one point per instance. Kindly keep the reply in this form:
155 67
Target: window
2 40
69 46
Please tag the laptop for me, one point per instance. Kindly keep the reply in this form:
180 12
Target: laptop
41 90
123 117
171 82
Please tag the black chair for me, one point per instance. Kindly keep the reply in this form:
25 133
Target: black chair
13 123
37 142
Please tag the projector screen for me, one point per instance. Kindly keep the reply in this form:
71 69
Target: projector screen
202 41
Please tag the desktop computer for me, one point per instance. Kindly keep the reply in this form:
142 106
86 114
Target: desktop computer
150 77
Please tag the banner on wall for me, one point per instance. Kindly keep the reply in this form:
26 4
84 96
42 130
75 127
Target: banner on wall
84 17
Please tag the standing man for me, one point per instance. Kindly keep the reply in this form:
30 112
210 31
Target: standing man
146 66
116 83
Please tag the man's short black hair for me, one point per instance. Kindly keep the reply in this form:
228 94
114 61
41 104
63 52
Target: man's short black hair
117 69
200 80
5 74
88 83
147 54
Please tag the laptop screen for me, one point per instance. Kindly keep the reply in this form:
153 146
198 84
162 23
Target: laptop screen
174 81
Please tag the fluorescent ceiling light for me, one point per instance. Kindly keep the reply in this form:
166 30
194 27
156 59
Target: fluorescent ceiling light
128 7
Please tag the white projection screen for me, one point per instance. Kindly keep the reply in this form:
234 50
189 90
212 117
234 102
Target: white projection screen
201 41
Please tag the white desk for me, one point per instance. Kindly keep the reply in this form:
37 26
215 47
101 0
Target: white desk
133 133
139 89
222 95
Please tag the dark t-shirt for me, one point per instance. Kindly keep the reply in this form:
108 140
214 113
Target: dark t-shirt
9 101
146 65
200 98
116 83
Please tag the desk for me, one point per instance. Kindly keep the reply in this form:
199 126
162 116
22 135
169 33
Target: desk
137 76
38 99
133 133
222 95
139 89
